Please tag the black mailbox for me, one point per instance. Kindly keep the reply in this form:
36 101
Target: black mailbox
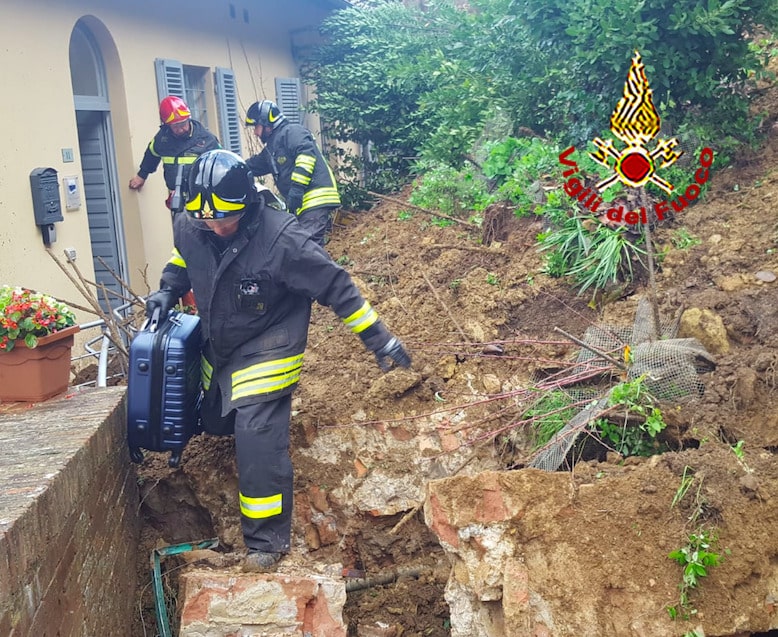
45 201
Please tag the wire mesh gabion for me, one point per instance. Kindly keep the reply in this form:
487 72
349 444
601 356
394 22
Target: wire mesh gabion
669 366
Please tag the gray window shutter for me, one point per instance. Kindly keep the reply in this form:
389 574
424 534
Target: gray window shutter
170 78
229 118
289 98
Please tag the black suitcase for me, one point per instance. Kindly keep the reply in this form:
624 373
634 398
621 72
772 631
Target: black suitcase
163 386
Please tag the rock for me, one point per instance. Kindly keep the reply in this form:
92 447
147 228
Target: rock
730 283
491 383
378 629
290 602
766 276
749 484
744 390
707 327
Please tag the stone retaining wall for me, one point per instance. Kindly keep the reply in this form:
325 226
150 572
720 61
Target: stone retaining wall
68 517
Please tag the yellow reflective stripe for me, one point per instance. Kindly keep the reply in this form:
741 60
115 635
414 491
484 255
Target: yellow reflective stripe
265 386
222 205
206 373
177 259
196 203
360 320
320 197
152 149
301 179
180 160
305 162
260 507
265 378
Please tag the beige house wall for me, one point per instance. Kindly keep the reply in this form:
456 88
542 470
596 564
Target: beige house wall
37 115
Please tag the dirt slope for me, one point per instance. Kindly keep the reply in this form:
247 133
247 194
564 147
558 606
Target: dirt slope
451 298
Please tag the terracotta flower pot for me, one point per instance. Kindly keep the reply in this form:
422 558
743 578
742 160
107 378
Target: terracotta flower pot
37 374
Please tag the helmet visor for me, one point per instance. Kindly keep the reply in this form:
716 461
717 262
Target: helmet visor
214 225
211 206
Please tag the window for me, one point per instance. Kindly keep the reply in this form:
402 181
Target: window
194 89
192 84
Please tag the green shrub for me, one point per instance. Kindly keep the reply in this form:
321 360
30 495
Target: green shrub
453 192
595 256
632 439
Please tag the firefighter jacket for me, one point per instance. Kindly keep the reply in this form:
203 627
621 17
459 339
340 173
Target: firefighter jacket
253 295
172 151
293 158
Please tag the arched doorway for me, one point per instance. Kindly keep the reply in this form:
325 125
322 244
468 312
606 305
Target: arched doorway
98 163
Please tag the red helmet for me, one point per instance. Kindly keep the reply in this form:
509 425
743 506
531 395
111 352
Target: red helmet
173 109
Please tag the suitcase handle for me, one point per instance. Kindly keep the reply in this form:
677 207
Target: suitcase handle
151 323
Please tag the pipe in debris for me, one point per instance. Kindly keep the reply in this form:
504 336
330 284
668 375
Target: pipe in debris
387 577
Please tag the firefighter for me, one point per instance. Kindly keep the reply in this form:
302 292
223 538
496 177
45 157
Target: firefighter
254 271
299 169
179 141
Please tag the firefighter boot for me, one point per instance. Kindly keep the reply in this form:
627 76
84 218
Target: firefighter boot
261 562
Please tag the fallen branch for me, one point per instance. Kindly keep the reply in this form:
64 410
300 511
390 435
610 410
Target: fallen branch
120 281
378 275
594 351
80 285
446 246
420 209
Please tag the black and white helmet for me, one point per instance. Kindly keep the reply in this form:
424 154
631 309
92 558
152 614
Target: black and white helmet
221 185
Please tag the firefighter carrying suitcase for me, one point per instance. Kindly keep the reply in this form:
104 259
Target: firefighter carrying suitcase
163 386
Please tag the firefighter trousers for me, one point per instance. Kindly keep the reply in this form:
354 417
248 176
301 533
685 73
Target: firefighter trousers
318 223
265 476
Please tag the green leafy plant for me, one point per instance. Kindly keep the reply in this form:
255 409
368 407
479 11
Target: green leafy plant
565 245
526 172
687 479
593 254
27 315
186 308
492 279
696 558
435 82
626 437
608 259
682 240
739 450
453 192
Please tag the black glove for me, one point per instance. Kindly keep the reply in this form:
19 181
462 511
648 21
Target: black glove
394 350
164 299
295 199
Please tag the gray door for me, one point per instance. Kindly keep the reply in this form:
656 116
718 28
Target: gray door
99 204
